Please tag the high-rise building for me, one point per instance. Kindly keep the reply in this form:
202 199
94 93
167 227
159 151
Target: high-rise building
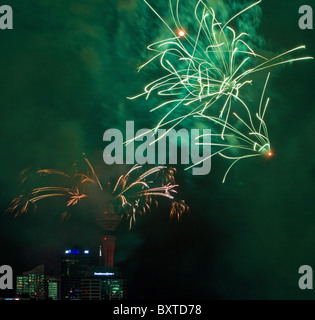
32 283
103 283
74 265
52 287
81 279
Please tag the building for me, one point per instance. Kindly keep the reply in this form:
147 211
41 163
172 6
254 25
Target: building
52 287
74 265
34 284
103 283
83 279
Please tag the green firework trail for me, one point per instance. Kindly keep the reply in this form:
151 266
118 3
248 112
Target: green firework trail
205 70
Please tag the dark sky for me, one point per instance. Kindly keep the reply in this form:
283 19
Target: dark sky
66 70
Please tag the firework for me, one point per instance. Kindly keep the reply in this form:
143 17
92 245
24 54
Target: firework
204 71
136 195
134 192
245 138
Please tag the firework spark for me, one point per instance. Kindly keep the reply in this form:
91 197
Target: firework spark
134 192
247 136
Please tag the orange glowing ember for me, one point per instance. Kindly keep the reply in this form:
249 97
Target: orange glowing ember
181 32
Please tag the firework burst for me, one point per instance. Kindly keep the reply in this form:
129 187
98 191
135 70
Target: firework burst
206 67
205 71
134 192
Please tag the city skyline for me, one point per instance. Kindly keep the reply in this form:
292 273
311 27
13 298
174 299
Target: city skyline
82 275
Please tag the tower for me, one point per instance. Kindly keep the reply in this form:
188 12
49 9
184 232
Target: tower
104 282
108 223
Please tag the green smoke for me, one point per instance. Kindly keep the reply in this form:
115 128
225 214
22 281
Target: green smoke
67 68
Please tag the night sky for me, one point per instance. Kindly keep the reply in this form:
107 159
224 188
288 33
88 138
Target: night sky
67 69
